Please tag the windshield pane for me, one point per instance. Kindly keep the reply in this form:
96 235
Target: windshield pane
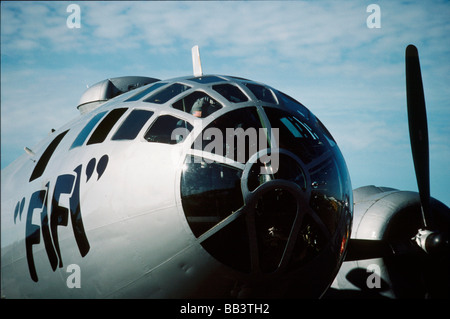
132 125
209 193
168 93
105 126
234 135
262 93
143 93
169 130
207 79
82 136
230 92
198 104
295 134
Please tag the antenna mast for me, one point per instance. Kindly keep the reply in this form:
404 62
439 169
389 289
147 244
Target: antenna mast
196 63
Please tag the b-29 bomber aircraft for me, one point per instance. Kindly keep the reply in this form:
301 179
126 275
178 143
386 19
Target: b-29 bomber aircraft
212 186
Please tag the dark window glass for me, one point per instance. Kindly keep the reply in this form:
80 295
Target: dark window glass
132 125
166 94
293 105
230 92
168 129
43 161
198 104
296 135
209 192
327 197
275 214
262 93
231 245
105 126
146 91
288 169
207 79
82 136
234 135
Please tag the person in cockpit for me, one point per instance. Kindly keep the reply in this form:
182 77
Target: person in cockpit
201 107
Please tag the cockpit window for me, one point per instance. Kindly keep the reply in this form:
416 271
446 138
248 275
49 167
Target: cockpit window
327 194
132 125
210 192
198 104
234 135
295 134
146 91
293 105
82 136
230 92
207 79
262 93
168 129
105 126
166 94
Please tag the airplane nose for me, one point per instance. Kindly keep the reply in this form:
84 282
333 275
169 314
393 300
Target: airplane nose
271 228
275 214
273 222
271 218
280 224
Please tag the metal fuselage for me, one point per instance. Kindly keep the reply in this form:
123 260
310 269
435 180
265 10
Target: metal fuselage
111 212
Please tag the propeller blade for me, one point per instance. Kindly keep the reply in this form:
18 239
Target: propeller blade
359 249
367 249
418 129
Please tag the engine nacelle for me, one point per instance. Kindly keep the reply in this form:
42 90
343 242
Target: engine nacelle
390 215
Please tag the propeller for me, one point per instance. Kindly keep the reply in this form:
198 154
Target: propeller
429 239
424 257
418 129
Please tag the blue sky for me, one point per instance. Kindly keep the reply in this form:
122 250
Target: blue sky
320 52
